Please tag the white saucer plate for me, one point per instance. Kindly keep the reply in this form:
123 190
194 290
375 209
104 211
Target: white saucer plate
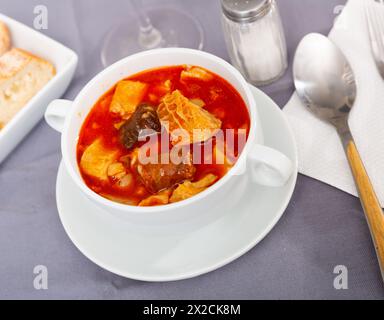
182 251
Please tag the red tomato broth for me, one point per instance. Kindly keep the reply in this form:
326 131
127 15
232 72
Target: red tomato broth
220 98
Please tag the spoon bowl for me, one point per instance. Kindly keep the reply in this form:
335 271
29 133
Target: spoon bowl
324 79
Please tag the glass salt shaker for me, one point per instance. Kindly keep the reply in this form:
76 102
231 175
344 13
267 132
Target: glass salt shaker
255 39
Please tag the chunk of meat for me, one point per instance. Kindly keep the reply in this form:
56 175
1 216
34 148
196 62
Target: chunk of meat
188 189
145 117
177 112
96 160
128 95
160 176
160 198
196 73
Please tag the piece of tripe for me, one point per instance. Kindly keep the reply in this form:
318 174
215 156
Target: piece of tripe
96 160
179 115
160 198
22 75
127 97
196 73
188 189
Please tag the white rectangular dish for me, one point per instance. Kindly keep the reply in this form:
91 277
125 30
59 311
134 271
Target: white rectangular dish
65 62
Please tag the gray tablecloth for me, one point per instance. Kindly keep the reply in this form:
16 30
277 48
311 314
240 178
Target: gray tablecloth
322 227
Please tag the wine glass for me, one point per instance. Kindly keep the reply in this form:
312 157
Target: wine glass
146 29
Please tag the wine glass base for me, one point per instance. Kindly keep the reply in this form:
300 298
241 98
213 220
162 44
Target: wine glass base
177 29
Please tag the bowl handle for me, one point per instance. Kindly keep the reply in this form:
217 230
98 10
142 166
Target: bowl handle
269 167
56 113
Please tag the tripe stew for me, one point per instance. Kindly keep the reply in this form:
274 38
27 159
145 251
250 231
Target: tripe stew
149 114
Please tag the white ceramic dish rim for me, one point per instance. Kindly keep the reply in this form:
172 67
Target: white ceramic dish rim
12 124
75 175
225 261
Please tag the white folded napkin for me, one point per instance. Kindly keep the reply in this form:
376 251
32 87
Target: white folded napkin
321 155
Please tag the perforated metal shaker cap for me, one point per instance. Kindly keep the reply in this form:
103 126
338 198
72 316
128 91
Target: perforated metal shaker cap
245 10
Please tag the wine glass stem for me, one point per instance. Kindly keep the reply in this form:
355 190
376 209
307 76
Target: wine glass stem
144 21
149 36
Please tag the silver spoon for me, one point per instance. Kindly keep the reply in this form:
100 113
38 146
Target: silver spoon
325 83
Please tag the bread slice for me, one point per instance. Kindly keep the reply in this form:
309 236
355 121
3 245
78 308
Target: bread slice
22 75
5 38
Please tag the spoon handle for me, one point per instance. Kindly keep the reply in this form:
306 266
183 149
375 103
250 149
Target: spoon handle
369 201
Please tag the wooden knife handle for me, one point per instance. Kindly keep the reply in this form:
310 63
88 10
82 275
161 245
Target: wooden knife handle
369 201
